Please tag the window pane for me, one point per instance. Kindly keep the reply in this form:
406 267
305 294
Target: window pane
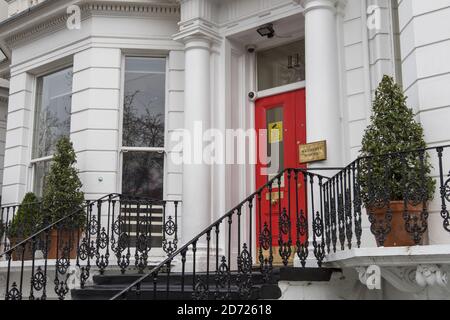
52 115
144 102
275 140
281 65
2 56
40 171
143 174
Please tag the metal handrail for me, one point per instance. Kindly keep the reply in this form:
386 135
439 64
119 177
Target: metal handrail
389 154
212 225
53 224
344 212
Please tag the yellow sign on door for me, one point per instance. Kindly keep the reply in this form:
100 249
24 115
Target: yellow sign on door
276 132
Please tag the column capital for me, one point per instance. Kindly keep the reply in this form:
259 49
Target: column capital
340 7
197 21
197 41
198 31
334 5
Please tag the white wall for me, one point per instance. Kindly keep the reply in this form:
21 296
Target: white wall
17 6
425 40
94 126
369 54
96 52
4 85
425 51
3 10
381 44
235 9
175 117
419 63
3 117
18 144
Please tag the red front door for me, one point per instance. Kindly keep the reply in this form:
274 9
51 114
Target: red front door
284 118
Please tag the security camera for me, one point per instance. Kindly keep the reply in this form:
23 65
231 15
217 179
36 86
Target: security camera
252 95
251 48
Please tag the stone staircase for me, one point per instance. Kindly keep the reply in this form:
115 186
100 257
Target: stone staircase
107 285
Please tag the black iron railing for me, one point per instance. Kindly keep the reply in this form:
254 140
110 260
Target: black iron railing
220 260
119 233
297 217
320 214
414 183
12 233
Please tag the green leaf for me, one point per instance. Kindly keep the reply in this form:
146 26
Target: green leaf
393 129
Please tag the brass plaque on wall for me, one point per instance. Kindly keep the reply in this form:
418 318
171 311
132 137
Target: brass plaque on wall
312 152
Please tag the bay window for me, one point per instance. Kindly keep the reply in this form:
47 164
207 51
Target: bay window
144 127
51 121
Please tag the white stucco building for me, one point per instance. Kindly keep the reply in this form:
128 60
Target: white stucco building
4 85
127 74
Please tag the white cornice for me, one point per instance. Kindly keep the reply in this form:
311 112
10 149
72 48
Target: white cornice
88 8
198 28
337 5
159 9
4 91
46 26
4 69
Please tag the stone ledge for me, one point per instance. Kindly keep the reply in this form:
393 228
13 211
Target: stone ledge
398 256
408 269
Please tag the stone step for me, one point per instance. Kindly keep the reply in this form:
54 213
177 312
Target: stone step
175 278
175 292
107 285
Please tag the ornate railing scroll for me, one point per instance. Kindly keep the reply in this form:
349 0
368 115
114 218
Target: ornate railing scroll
119 233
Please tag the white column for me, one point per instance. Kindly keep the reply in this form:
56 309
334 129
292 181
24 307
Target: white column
17 172
323 101
196 176
3 117
94 124
322 78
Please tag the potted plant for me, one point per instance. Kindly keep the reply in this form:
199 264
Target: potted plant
2 229
62 196
26 222
395 183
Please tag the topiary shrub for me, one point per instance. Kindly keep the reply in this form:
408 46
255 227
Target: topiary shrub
393 129
28 218
2 229
62 194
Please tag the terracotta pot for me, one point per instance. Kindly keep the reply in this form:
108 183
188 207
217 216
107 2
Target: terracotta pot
17 254
399 237
64 237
